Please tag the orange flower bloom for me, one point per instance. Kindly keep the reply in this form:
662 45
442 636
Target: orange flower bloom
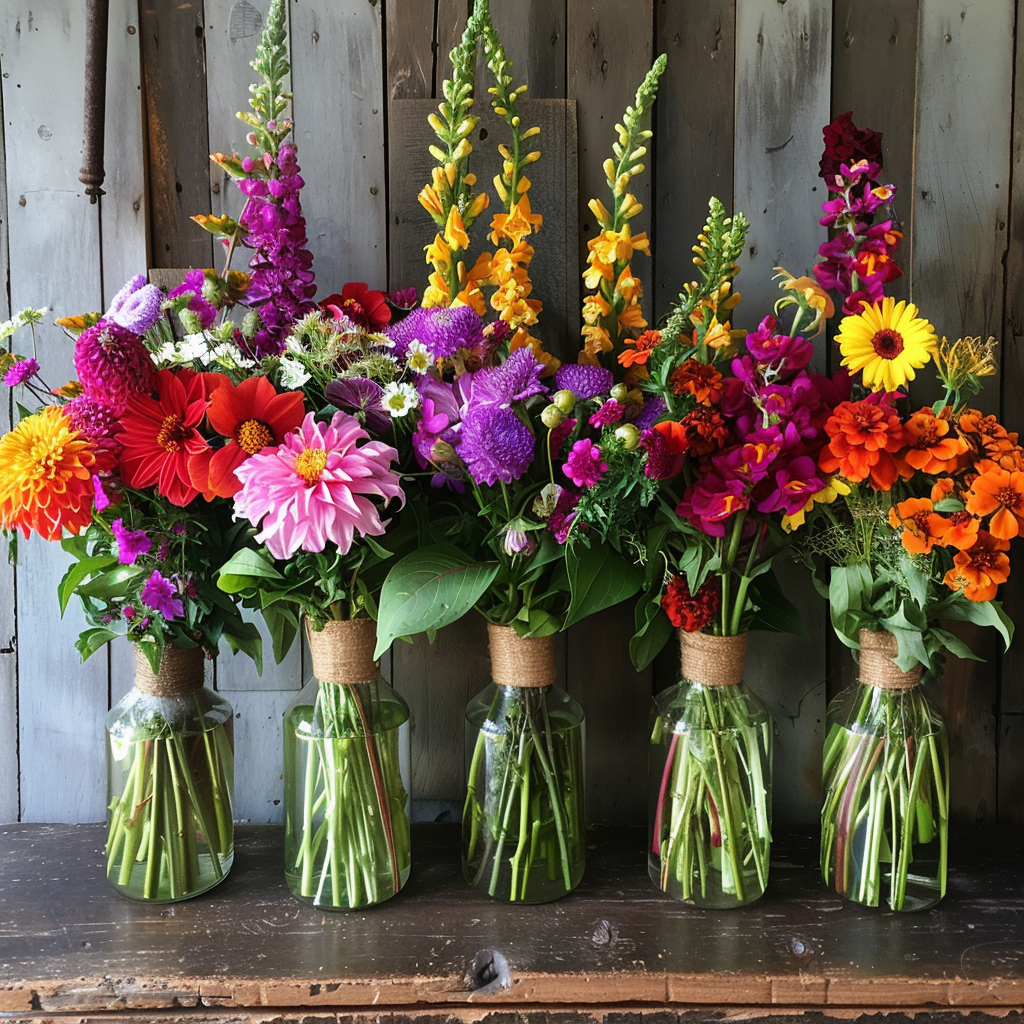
979 571
942 488
641 350
46 472
963 531
922 525
1001 492
989 439
864 438
699 379
706 430
930 447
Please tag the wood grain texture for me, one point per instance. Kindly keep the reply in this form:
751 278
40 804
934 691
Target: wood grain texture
409 25
340 136
782 86
693 143
68 944
258 752
533 34
960 240
53 232
173 68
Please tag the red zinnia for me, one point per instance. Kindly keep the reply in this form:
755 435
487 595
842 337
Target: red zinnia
864 437
159 435
363 306
253 416
690 612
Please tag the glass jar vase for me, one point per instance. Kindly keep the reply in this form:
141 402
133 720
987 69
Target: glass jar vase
710 779
524 820
346 776
885 779
170 782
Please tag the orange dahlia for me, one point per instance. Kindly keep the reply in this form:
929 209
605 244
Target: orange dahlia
1000 492
864 437
46 471
922 526
979 571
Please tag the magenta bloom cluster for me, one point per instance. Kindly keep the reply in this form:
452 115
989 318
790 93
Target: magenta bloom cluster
769 431
282 286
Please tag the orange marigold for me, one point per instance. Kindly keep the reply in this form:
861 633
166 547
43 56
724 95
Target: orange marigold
922 526
641 348
699 379
987 438
963 531
979 571
46 471
1001 492
864 437
930 446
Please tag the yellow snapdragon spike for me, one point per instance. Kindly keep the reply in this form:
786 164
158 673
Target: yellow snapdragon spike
632 318
628 286
480 203
499 187
597 340
595 308
431 202
438 251
455 231
599 211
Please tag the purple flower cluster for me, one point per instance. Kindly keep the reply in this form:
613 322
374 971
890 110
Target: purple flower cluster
192 286
136 307
21 371
444 330
282 286
583 381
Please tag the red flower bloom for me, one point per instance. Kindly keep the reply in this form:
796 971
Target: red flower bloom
367 308
705 429
253 416
692 612
864 438
160 435
845 143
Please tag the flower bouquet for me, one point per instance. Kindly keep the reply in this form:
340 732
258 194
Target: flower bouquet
508 449
910 535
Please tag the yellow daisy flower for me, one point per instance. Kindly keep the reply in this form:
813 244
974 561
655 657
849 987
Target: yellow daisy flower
888 343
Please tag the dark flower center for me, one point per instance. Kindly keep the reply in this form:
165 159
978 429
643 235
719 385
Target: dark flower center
887 343
173 433
1008 497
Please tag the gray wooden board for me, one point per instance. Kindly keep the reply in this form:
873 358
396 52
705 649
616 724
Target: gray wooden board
258 752
340 136
176 130
54 253
553 1014
553 271
68 943
782 88
960 238
410 50
533 35
693 141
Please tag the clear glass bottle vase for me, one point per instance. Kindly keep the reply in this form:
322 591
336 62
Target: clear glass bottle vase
170 782
710 780
346 776
885 783
524 819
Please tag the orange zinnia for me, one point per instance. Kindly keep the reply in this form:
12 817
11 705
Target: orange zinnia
1001 492
979 571
641 350
930 448
922 525
699 379
864 437
46 476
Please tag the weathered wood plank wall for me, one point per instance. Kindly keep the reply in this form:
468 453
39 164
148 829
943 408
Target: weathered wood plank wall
749 85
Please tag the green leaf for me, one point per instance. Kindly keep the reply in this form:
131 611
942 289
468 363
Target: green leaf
954 645
242 568
112 584
917 581
775 611
89 642
428 589
77 572
536 622
912 648
982 613
653 630
245 637
598 578
848 586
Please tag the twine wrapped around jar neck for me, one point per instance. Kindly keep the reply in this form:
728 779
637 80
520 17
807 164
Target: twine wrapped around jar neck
524 661
343 651
181 672
877 663
712 660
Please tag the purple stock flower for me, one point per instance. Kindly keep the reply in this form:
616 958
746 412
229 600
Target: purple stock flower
136 307
495 444
361 396
584 465
583 381
444 330
130 543
794 484
21 371
654 408
159 594
197 303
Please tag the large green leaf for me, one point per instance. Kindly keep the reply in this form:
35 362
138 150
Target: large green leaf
77 572
598 578
89 642
982 613
243 569
775 611
428 589
653 630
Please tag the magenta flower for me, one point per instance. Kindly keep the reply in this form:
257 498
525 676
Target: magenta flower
747 463
769 348
610 412
444 330
20 372
565 512
495 444
113 365
560 433
100 497
584 465
316 487
794 484
711 501
404 298
130 543
197 303
160 595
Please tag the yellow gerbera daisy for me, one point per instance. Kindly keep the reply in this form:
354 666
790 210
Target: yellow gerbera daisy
888 343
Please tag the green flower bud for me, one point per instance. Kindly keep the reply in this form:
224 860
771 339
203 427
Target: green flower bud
565 400
619 392
552 417
628 435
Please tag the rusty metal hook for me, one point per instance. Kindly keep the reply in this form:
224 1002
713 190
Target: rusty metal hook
91 174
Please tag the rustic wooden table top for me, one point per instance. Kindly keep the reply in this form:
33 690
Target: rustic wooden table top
69 943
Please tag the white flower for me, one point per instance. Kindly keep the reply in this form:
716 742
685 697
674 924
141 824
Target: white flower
228 352
294 345
399 399
419 359
293 373
194 347
545 502
166 353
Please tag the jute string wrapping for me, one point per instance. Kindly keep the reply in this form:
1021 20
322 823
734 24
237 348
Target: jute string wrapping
181 672
877 667
343 651
521 660
712 660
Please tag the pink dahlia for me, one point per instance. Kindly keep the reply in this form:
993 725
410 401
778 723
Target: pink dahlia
316 486
113 364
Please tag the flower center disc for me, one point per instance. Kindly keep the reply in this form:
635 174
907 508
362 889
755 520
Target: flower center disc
172 433
309 464
1008 497
253 436
887 343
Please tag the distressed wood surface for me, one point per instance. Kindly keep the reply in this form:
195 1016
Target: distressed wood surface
782 89
68 943
960 239
53 229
